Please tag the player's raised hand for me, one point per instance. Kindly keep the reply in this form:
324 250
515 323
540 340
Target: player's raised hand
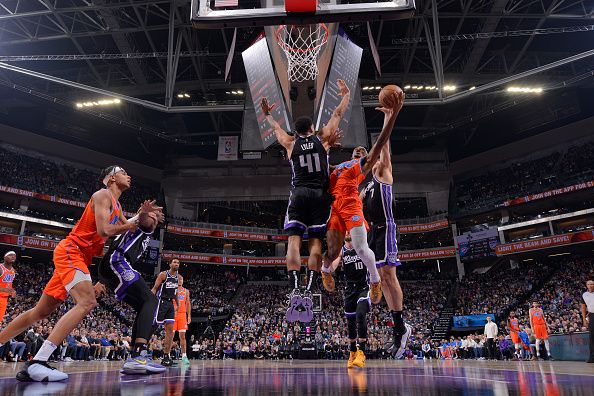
265 106
344 90
150 207
334 140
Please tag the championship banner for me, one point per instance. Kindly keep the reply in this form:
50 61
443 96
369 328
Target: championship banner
228 148
28 242
426 254
548 194
46 197
426 227
546 242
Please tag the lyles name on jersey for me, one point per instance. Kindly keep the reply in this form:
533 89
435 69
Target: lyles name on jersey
307 146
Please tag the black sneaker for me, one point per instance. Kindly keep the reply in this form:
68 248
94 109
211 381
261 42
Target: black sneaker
167 362
591 360
399 341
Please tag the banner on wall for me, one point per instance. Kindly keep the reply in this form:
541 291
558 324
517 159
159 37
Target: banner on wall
548 194
47 197
28 242
281 261
425 227
228 148
546 242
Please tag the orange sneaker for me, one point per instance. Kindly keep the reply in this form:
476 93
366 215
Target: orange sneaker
352 356
359 359
328 281
375 293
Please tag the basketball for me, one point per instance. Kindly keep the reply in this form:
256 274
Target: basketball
388 95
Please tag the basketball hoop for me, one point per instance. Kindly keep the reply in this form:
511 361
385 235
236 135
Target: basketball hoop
301 45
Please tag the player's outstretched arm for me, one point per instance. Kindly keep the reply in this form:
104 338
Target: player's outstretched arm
282 136
330 128
384 137
384 170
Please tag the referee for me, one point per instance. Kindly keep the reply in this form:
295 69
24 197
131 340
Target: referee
588 315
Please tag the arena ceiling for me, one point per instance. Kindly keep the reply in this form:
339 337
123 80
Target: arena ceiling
126 46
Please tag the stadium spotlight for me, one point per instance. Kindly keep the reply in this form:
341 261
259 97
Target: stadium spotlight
101 102
449 88
472 88
514 89
407 87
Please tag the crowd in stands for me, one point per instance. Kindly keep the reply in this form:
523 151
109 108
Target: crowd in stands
483 292
235 247
520 178
256 327
426 240
42 175
561 296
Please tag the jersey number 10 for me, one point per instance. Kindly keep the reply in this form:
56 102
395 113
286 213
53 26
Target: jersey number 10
305 160
358 265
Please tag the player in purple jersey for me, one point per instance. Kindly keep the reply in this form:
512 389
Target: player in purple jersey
378 206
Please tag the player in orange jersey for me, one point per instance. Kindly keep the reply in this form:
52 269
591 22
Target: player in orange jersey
102 218
183 316
540 328
6 278
514 332
347 208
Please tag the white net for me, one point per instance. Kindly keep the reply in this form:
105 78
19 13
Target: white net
301 45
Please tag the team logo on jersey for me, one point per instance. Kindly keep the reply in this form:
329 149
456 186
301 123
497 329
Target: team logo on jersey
356 218
128 275
393 257
8 278
171 285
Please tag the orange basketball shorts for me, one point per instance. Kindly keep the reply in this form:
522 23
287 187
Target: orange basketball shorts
3 306
71 265
515 337
347 213
540 332
181 322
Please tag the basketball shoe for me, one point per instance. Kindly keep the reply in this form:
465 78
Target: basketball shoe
352 356
359 359
399 342
306 314
375 293
36 370
167 361
328 281
141 365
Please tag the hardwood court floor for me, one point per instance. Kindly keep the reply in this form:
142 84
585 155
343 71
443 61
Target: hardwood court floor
319 377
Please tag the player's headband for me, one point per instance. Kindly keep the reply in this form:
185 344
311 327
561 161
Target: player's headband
115 170
9 253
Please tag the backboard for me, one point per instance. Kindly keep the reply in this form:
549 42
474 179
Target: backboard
216 14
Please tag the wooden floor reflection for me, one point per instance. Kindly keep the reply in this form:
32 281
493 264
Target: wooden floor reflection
317 378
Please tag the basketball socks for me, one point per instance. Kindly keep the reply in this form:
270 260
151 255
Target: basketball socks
311 275
46 350
353 346
363 345
398 321
138 348
184 355
294 278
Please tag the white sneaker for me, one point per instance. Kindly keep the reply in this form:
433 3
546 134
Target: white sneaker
36 370
401 340
68 359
